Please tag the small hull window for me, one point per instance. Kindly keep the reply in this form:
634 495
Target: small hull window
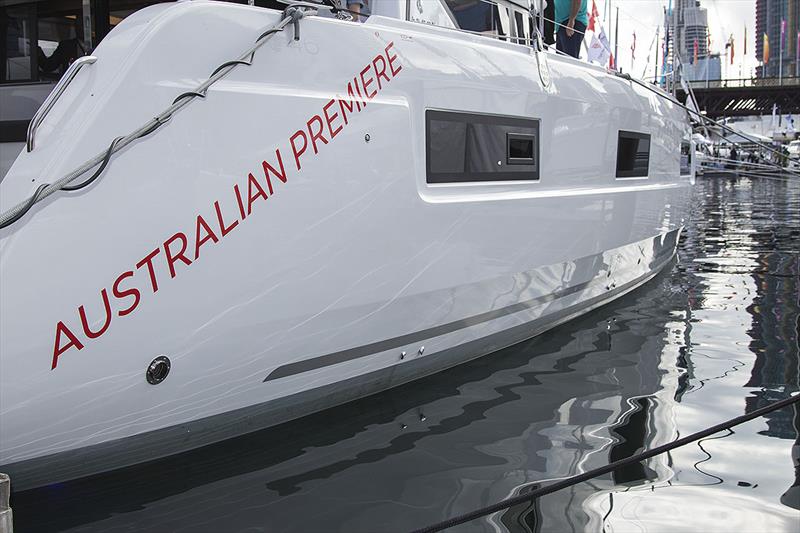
465 147
686 158
633 155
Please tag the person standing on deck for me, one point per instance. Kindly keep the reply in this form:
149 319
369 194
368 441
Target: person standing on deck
572 20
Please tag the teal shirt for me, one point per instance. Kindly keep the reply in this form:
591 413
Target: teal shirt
563 8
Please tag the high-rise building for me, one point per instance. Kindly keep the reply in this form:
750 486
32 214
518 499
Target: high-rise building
770 16
688 27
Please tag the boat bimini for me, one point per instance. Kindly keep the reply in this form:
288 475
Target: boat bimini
341 207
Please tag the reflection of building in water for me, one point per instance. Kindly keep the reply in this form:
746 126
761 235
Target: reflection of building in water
775 333
775 336
605 425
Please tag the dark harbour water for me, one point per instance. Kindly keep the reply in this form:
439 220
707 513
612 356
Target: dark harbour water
715 337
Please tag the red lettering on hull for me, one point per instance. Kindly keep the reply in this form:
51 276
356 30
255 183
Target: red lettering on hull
384 66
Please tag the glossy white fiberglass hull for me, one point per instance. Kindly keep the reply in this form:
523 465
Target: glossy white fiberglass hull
328 285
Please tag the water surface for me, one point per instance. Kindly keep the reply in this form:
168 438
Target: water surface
713 338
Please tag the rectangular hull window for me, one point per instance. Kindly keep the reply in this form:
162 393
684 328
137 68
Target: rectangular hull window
466 147
633 154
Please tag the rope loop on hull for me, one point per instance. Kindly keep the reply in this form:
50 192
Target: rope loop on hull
291 15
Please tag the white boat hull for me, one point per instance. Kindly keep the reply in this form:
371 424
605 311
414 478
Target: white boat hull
279 291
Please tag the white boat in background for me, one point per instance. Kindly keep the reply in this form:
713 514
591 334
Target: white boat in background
365 204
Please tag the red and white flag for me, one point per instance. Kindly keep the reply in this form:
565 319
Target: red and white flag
595 15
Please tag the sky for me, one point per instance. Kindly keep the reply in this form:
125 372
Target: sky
725 17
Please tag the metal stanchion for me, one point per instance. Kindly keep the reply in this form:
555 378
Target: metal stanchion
6 522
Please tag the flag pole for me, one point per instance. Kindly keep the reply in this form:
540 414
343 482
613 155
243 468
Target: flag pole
616 42
541 19
780 55
674 43
655 73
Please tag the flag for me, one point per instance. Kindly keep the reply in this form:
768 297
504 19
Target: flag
695 52
611 61
600 48
766 49
593 17
783 33
633 48
731 43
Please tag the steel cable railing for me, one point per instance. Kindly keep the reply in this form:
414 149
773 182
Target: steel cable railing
293 13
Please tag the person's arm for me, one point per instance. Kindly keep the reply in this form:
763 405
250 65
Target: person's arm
355 7
573 14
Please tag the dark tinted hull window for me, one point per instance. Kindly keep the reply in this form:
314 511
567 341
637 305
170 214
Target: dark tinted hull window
686 158
463 147
633 154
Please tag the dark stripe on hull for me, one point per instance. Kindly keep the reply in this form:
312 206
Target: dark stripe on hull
365 350
381 346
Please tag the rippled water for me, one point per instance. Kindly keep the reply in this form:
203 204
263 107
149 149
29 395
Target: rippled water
715 337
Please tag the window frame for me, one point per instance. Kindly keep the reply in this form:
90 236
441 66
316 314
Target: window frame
32 18
465 177
639 136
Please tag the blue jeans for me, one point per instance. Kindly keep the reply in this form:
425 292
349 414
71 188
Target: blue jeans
570 45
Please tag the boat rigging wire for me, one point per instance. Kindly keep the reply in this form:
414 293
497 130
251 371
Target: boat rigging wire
97 172
574 480
292 14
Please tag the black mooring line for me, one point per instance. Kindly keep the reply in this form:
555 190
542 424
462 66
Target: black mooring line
574 480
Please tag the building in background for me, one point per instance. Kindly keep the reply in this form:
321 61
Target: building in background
769 17
706 68
689 29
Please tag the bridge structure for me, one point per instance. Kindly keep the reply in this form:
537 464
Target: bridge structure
746 97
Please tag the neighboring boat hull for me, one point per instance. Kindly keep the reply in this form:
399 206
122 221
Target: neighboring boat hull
308 294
